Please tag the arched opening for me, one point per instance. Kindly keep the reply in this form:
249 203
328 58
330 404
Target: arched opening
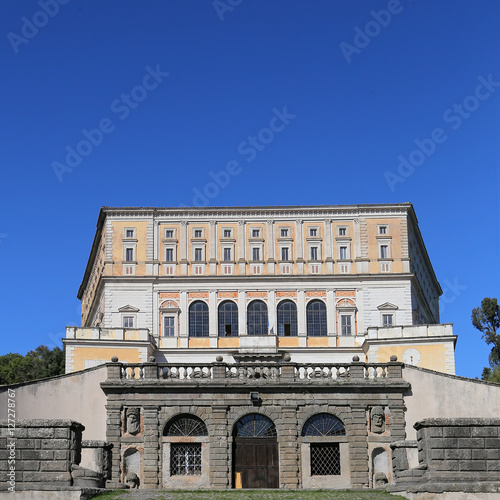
185 450
257 321
287 319
324 452
228 319
198 319
316 319
255 453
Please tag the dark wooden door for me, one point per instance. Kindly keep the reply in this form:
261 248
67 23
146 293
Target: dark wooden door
256 459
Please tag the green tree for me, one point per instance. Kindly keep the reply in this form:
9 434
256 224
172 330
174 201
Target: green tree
40 363
487 320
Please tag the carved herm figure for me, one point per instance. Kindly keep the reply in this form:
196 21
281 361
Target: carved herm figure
133 420
377 419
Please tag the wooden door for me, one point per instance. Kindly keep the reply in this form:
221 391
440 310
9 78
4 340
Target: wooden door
256 459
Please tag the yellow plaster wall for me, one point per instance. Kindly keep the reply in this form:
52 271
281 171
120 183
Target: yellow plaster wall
229 342
80 354
118 237
432 356
288 342
317 342
199 343
394 231
263 235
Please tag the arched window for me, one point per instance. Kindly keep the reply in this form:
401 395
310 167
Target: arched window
287 319
198 319
325 456
316 318
257 321
186 457
323 424
185 425
228 319
255 426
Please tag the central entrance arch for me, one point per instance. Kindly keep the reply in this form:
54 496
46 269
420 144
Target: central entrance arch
255 453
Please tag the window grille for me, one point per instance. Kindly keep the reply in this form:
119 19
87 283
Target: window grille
228 319
255 426
316 318
287 319
257 321
185 459
198 319
325 459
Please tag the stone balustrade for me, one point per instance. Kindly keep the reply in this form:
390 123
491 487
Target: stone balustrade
255 371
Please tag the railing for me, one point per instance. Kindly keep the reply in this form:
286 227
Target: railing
285 372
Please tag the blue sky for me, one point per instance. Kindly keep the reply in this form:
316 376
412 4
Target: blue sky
135 103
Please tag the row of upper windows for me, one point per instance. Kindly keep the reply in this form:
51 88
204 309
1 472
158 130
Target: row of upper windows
255 232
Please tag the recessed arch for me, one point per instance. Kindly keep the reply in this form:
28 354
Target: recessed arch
257 319
316 318
228 319
287 318
198 319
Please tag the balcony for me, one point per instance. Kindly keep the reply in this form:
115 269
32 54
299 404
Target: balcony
94 333
410 331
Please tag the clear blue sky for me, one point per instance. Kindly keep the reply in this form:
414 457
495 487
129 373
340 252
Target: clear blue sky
353 104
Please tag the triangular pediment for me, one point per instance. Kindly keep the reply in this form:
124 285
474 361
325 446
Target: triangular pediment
128 309
387 306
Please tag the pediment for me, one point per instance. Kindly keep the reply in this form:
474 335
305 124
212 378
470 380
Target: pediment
128 309
387 306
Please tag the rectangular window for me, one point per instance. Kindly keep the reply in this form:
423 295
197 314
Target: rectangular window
313 232
345 321
255 233
342 231
384 252
314 253
169 255
128 322
325 459
284 253
255 253
169 233
129 233
382 230
343 253
387 319
185 459
284 233
227 233
198 255
227 254
129 255
169 326
197 233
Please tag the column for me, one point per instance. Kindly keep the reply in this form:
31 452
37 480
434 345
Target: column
242 245
299 245
330 313
212 318
289 449
184 320
329 246
212 247
113 429
270 247
220 452
151 444
301 318
358 448
242 312
183 247
271 312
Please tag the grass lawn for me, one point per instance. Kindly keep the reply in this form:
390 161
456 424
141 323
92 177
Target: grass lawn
249 495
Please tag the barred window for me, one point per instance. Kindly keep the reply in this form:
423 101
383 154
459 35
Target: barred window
316 318
228 319
257 321
325 459
287 319
185 459
198 319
